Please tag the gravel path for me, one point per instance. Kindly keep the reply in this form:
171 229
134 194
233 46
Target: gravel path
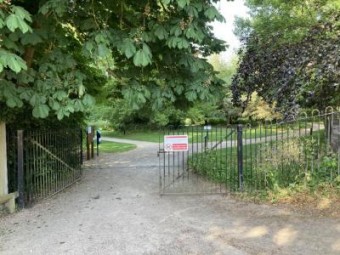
116 209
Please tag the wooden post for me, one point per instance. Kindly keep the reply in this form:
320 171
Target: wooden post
3 160
92 141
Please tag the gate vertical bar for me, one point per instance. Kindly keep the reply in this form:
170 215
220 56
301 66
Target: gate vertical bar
81 146
240 156
21 181
338 131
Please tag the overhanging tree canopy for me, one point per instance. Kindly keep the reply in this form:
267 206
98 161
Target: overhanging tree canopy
55 54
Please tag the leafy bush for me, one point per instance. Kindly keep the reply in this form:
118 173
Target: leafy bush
296 163
279 165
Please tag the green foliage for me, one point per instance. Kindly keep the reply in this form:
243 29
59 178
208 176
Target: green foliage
257 109
291 162
41 66
11 61
143 56
327 171
205 164
129 48
55 55
18 19
165 50
138 135
201 112
226 71
289 55
113 147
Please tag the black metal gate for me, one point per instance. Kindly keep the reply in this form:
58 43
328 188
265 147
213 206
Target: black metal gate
179 171
43 162
251 158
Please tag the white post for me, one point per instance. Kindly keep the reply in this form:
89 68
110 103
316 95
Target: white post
3 160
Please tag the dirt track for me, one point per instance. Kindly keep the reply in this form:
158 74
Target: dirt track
116 209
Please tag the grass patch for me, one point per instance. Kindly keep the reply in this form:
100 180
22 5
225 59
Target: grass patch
113 147
138 135
221 166
196 134
293 171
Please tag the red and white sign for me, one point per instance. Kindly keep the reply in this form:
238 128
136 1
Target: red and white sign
176 143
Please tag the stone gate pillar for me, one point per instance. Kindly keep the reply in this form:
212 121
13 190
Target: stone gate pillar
3 161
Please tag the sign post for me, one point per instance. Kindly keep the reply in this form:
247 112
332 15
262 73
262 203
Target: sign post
174 143
207 128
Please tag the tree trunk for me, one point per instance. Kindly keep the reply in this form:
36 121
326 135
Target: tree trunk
3 160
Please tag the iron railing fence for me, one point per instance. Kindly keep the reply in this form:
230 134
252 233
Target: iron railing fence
305 151
43 162
184 172
255 157
221 158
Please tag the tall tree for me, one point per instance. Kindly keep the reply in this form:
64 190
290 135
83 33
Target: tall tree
53 53
291 54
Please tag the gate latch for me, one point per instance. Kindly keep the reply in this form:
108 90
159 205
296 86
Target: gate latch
160 151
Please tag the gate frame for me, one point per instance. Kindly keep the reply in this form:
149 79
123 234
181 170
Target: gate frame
203 148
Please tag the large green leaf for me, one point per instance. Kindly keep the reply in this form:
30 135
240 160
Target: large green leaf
16 63
12 61
143 56
61 113
160 32
10 102
190 33
176 30
14 102
40 111
192 11
60 95
212 13
183 3
88 100
191 95
21 13
183 44
59 7
103 50
13 22
31 39
78 106
54 105
34 100
10 44
128 47
178 42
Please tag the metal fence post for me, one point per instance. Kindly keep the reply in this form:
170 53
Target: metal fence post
240 156
81 146
21 180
